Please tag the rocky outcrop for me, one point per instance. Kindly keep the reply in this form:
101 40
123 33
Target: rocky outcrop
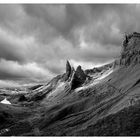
131 50
78 78
69 70
75 78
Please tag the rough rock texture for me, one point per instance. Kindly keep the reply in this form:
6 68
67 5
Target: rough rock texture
68 71
131 50
67 76
78 78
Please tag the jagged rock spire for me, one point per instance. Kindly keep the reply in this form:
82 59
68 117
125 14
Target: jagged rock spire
68 71
78 78
68 67
75 78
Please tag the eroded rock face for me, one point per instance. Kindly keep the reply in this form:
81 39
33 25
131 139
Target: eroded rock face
68 71
68 68
78 78
131 50
75 78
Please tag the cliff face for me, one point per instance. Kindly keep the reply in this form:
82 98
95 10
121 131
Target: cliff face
78 78
68 71
130 54
131 50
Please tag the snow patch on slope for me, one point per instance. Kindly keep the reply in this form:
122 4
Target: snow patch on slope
5 101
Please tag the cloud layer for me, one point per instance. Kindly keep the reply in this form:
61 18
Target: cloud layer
36 40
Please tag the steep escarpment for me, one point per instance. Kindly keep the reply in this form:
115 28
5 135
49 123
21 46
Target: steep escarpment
130 54
131 49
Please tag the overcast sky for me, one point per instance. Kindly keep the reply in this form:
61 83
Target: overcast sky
36 40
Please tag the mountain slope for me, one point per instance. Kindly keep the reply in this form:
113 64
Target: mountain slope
96 102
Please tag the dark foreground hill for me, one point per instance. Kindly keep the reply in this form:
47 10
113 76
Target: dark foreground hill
102 101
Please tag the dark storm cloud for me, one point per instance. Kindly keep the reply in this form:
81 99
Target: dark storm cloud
65 19
36 40
9 49
101 21
62 20
13 70
62 17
